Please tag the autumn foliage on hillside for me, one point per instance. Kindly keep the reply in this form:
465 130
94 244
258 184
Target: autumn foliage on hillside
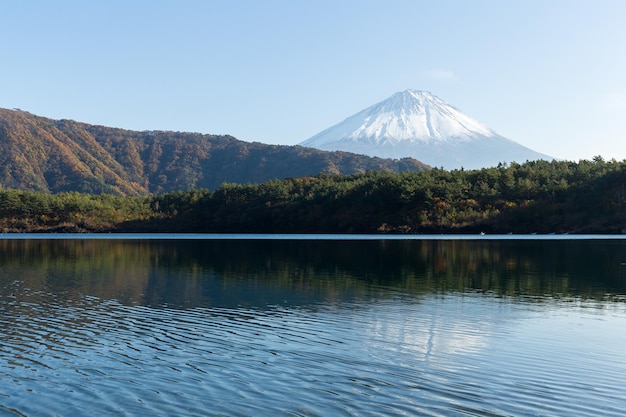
41 154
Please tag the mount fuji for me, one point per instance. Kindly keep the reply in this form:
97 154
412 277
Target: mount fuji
420 125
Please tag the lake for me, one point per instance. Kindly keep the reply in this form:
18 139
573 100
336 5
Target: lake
192 325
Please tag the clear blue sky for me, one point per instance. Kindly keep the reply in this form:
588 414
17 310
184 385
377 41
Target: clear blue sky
549 74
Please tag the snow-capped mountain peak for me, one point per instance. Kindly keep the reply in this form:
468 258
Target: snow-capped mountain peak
418 124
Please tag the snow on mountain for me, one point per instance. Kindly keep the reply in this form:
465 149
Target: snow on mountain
420 125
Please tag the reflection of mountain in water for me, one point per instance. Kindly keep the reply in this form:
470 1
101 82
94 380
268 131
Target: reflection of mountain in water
256 273
433 329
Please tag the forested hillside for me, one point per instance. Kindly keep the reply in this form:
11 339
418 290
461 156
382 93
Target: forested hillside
41 154
541 197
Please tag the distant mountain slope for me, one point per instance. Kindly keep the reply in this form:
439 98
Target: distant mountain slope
420 125
41 154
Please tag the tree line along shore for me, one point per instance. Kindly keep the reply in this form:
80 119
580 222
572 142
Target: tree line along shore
588 196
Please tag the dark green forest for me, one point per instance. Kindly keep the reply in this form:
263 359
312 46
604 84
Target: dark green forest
534 197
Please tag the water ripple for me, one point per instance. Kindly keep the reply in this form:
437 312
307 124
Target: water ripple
450 356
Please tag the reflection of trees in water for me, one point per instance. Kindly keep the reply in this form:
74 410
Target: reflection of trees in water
274 272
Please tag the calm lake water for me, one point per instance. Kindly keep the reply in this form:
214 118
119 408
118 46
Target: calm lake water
318 326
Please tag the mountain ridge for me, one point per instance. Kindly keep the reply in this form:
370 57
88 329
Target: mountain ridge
42 154
418 124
